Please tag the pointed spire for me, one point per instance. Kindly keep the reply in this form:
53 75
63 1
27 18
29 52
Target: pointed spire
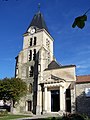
39 7
38 21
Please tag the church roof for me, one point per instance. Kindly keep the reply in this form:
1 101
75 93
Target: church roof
83 79
53 65
38 21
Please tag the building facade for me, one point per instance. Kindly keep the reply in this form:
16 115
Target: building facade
83 94
51 86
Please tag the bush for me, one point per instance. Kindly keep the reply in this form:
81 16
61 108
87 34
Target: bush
73 117
85 117
3 112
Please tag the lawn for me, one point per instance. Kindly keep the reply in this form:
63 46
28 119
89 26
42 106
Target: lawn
9 117
69 117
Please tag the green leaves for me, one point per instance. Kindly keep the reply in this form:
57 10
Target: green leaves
13 88
80 21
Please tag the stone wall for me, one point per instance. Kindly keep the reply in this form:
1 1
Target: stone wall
82 102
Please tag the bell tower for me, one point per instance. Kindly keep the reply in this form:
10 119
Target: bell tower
33 59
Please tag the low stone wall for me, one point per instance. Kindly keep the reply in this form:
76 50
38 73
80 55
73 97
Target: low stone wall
82 102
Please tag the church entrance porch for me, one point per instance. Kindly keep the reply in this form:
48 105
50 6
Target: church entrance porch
57 95
54 98
55 104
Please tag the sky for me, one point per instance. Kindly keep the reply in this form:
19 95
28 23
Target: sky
71 45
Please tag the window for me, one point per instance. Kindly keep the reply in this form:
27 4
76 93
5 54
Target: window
29 105
68 100
16 73
31 71
34 55
68 93
48 56
30 88
47 43
35 40
30 41
30 55
39 67
16 60
87 92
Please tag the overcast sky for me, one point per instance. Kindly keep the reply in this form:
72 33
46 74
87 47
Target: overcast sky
71 46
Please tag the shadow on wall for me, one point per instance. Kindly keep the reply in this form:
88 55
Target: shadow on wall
35 82
83 104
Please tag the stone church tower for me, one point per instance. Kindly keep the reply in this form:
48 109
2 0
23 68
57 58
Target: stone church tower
34 58
51 86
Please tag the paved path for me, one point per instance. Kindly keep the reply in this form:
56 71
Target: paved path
36 117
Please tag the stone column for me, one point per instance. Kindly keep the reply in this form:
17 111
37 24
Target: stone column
45 99
39 107
26 104
64 98
61 99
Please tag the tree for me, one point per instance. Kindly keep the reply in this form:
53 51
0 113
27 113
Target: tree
80 21
12 89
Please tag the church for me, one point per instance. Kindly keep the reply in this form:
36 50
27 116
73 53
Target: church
51 86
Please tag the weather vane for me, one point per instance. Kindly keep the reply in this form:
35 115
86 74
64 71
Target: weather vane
38 6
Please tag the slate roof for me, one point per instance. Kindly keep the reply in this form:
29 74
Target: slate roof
38 21
83 79
55 65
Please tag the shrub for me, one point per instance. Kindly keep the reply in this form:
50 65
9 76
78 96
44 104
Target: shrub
85 117
73 117
3 112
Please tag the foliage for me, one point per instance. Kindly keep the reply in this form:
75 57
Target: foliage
75 117
3 112
85 117
12 89
80 21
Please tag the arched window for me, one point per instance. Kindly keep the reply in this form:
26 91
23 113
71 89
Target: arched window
30 41
30 55
34 55
35 40
30 88
31 70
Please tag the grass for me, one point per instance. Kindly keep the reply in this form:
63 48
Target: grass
68 117
12 117
9 117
